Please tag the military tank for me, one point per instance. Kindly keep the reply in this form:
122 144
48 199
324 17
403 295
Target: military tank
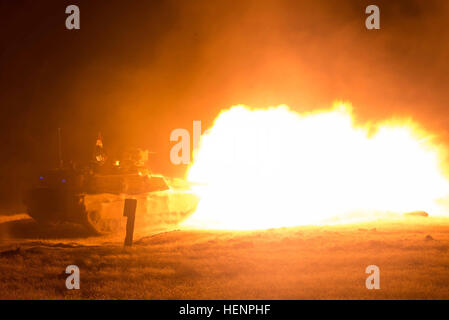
93 194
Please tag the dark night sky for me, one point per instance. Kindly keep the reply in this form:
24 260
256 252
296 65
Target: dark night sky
138 69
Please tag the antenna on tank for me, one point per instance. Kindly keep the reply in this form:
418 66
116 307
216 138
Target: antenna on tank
59 148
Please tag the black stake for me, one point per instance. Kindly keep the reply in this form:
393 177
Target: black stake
129 211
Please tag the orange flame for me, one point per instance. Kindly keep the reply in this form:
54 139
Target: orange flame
274 167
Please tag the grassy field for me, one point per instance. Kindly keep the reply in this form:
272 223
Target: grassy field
289 263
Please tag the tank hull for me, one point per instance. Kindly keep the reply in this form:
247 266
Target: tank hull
103 212
156 209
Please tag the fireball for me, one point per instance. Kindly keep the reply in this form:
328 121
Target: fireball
273 167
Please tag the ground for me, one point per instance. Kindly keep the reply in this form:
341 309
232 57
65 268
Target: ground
309 262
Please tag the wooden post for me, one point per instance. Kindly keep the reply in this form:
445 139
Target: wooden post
129 211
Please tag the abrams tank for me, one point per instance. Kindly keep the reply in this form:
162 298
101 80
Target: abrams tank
93 195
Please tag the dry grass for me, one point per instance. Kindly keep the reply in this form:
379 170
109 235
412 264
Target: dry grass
290 263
